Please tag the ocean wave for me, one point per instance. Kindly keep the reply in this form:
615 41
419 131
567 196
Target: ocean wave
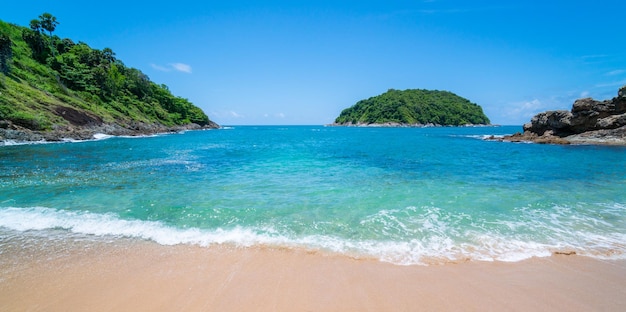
102 136
95 137
438 247
482 137
16 143
42 218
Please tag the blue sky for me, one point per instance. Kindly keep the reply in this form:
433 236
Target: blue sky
302 62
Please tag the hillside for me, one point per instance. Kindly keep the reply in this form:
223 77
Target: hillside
53 88
413 107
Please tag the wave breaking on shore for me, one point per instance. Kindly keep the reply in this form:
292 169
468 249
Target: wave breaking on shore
434 250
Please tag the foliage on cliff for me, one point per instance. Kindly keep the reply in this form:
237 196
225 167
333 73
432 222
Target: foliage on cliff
42 77
412 107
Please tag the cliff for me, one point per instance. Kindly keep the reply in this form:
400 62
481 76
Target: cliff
588 122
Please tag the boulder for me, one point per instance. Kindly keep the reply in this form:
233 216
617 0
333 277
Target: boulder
611 122
587 115
551 120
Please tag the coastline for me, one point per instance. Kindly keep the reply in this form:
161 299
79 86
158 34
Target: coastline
21 135
614 137
137 275
589 122
404 125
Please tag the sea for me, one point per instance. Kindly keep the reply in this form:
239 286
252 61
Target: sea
408 196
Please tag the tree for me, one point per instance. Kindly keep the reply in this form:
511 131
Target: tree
413 107
6 52
108 55
55 70
35 25
47 22
41 49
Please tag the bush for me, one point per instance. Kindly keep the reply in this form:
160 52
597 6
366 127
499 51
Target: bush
29 121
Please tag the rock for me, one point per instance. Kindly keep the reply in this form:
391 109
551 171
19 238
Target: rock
86 132
548 137
612 122
582 105
76 117
565 253
551 120
605 137
19 136
588 122
620 101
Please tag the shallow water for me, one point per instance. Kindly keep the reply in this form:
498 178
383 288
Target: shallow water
403 195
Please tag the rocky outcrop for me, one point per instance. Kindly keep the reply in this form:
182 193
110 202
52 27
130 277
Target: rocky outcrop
589 122
76 117
16 133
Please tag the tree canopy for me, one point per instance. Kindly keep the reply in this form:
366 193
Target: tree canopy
6 52
48 22
42 71
414 107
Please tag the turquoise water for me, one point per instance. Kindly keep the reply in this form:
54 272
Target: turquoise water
403 195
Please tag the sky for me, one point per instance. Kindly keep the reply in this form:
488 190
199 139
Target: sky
303 62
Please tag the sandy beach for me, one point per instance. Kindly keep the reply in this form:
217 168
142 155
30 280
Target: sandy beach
143 276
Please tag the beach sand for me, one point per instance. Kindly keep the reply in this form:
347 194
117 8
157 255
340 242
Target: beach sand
142 276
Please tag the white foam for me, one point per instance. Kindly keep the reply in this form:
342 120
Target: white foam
42 218
442 243
479 136
101 136
95 137
13 142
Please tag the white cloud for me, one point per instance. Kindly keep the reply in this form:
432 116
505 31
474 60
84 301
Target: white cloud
181 67
235 114
275 115
616 72
611 84
525 109
593 56
173 66
226 114
160 68
584 94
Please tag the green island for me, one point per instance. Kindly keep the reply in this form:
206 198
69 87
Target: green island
413 107
53 88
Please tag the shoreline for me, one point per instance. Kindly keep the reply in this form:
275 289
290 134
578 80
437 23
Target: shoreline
137 275
19 135
26 137
616 137
404 125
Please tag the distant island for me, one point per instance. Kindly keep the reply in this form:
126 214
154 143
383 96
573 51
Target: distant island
588 122
53 88
413 107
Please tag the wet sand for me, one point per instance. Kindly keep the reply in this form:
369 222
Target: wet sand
143 276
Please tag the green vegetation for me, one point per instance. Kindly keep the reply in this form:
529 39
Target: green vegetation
412 107
42 76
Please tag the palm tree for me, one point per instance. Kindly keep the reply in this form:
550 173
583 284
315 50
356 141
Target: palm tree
47 22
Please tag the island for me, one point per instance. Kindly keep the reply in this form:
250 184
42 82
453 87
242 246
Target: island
53 89
414 108
588 122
